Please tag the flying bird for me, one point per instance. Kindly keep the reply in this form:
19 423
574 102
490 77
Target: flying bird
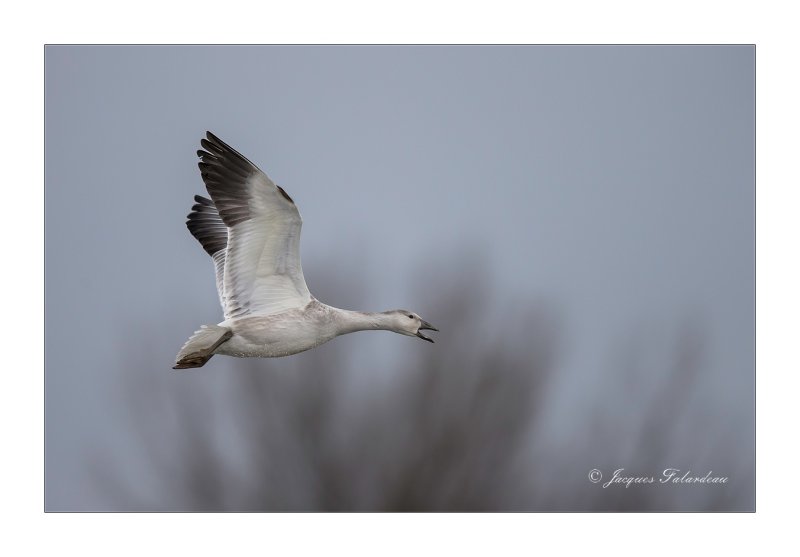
251 229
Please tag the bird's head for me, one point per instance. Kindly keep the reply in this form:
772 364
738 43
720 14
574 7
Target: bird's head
409 323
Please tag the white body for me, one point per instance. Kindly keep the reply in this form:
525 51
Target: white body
293 331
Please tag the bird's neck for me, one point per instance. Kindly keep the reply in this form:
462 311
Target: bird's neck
352 321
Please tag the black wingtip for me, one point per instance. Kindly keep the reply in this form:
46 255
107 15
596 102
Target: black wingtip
284 194
205 224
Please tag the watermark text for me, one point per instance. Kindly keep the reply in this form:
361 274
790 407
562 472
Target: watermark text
673 476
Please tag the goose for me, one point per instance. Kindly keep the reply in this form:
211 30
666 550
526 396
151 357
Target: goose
251 229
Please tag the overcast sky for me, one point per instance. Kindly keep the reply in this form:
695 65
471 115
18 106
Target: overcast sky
614 184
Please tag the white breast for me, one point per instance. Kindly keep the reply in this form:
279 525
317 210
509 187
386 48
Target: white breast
281 334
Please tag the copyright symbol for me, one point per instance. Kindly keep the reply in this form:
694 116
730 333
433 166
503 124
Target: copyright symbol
595 476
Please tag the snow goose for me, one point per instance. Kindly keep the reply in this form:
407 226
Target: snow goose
251 229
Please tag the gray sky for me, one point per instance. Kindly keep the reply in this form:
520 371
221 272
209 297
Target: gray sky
615 184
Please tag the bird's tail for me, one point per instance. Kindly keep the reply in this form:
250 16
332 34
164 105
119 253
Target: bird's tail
201 346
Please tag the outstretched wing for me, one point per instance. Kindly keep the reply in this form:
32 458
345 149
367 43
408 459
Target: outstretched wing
262 271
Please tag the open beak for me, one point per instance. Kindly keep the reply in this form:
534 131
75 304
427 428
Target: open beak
425 326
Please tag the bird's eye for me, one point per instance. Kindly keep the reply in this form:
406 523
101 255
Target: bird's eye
411 317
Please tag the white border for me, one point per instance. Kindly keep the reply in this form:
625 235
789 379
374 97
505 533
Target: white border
772 29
